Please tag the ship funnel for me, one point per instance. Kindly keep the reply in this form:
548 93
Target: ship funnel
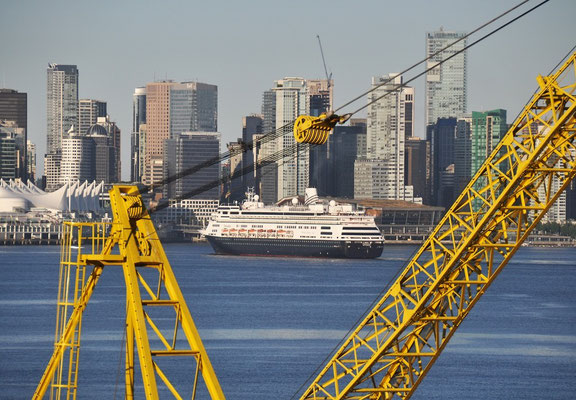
311 196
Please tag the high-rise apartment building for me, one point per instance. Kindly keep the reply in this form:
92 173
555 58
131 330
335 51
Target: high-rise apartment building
89 111
173 108
390 120
446 84
292 100
187 150
61 115
138 119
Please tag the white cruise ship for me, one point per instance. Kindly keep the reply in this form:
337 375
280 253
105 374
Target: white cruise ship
311 229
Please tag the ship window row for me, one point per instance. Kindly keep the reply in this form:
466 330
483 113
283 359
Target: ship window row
368 228
278 213
361 234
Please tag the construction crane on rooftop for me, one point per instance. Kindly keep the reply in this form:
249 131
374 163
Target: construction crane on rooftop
328 76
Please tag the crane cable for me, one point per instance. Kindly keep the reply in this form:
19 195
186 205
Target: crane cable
393 279
404 84
279 132
433 55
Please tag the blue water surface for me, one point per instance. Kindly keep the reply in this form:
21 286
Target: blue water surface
269 323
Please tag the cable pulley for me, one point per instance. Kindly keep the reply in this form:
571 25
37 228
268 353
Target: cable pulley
315 130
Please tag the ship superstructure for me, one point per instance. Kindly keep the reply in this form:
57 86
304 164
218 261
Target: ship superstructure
312 229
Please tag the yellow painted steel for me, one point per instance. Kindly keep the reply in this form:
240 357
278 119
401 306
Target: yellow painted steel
152 297
315 130
391 350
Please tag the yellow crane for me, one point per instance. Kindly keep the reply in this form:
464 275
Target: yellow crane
152 296
389 353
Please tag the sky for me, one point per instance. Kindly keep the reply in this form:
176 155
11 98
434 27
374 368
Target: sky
244 46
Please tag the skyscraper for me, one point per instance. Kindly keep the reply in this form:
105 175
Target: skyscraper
289 98
251 125
173 108
320 102
12 146
462 153
390 120
292 100
417 154
138 118
186 150
441 135
346 144
267 174
446 84
62 103
157 129
14 107
61 115
113 142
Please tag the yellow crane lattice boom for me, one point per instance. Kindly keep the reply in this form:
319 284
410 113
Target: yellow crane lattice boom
158 322
390 351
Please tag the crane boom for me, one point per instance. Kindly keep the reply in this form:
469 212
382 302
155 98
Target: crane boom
388 354
328 77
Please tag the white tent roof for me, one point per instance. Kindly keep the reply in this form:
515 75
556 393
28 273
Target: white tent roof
70 197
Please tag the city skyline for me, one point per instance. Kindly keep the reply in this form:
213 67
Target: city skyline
227 48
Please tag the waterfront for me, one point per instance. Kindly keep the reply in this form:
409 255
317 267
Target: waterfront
268 323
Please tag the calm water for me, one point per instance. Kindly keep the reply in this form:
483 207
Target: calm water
268 323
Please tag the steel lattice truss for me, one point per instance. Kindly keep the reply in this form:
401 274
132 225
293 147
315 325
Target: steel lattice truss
389 353
158 321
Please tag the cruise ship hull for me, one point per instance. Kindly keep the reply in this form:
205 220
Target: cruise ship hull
296 247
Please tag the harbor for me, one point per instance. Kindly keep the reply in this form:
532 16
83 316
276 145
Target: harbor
269 323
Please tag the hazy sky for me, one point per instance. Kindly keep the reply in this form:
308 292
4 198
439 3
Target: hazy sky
243 46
